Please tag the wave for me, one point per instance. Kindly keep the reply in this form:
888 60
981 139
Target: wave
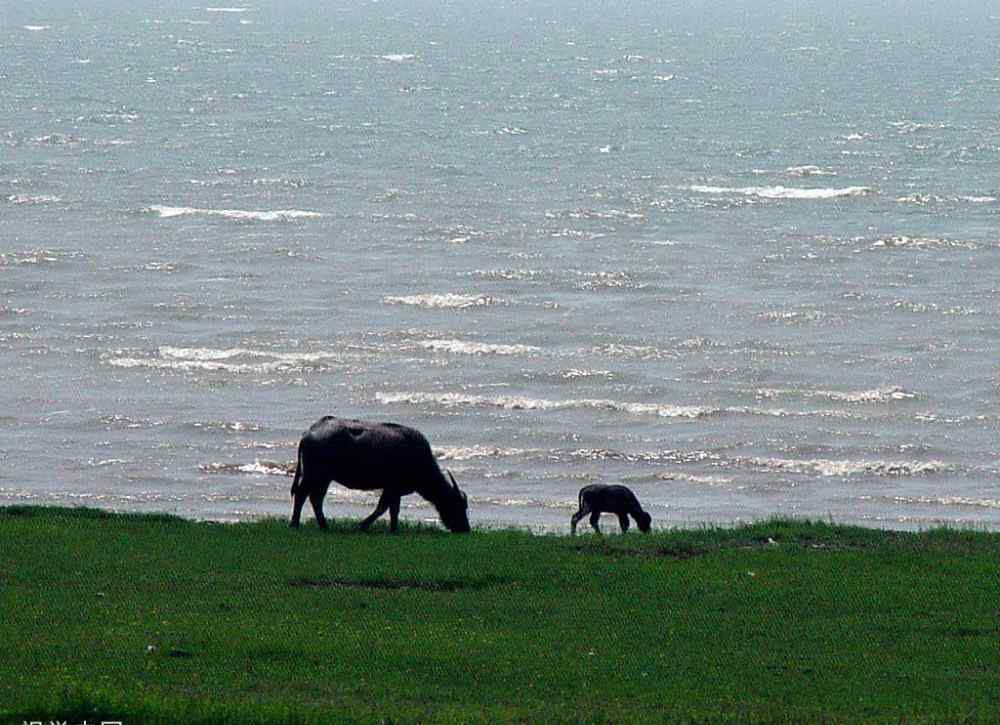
445 301
477 348
661 410
260 361
658 457
398 57
809 170
288 183
918 199
578 279
590 214
877 395
524 502
91 498
633 352
907 127
28 199
58 139
524 403
901 241
784 192
38 256
468 453
989 503
167 212
783 413
228 426
577 373
682 477
258 467
102 462
934 308
833 468
798 316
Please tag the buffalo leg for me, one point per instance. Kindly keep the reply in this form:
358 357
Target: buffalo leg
380 508
316 499
393 513
298 500
584 510
594 518
623 522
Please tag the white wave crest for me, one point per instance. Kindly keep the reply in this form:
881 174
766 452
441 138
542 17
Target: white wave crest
901 241
524 403
467 453
233 360
101 462
258 467
18 199
809 170
445 301
199 353
656 457
877 395
784 192
832 468
694 478
167 212
989 503
576 373
783 413
477 348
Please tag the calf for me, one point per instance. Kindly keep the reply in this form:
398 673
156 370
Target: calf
613 499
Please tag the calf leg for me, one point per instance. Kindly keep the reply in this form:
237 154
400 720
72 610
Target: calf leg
380 508
623 522
584 510
594 518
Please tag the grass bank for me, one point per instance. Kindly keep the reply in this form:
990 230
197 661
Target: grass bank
155 619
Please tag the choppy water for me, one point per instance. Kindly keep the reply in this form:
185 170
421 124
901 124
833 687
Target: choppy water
742 259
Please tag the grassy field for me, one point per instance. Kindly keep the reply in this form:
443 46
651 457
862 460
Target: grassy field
153 619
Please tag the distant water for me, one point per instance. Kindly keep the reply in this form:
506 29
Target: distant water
744 262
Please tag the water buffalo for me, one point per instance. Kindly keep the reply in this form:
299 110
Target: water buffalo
370 456
613 499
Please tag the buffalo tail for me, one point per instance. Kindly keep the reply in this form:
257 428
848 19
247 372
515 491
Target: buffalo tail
298 472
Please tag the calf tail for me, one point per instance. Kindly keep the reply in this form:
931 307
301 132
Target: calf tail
298 472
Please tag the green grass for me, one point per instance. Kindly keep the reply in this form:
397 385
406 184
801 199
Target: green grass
154 619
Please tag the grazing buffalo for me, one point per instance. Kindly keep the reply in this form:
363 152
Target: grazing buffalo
370 456
613 499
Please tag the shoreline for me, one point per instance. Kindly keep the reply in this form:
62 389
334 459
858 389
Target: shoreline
413 511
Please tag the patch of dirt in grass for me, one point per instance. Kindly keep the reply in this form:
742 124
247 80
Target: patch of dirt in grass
445 585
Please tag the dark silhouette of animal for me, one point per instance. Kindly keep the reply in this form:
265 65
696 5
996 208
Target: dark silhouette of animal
615 499
371 456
